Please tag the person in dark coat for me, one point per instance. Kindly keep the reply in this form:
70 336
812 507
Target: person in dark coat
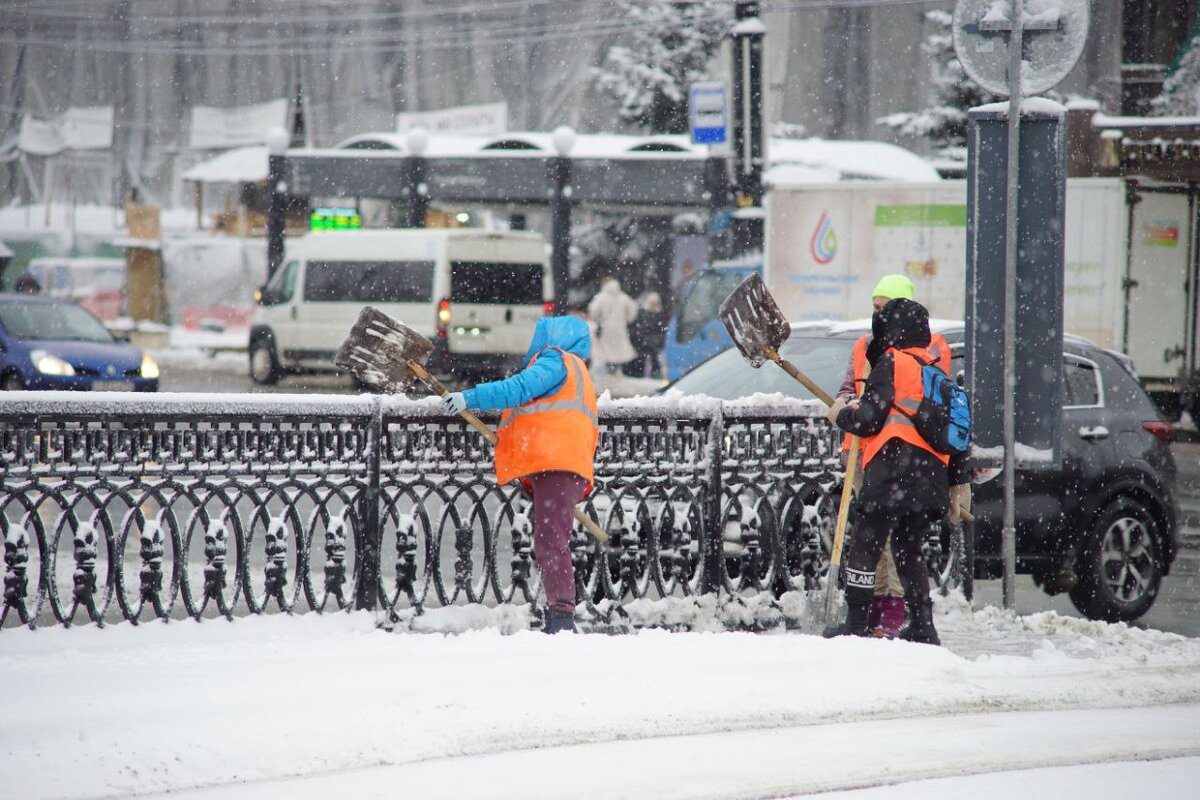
647 336
906 482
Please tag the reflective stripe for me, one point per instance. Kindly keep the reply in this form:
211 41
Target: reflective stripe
898 424
576 404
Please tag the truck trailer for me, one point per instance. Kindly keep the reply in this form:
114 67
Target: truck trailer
1130 261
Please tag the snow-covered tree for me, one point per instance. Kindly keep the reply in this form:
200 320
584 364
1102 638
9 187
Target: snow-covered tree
1180 95
668 50
953 92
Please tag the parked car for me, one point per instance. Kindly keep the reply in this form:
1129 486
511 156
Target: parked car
54 344
1101 527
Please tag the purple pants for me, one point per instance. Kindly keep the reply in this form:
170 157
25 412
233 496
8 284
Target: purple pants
554 497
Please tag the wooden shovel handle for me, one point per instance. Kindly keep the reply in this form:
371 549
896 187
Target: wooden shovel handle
808 383
589 524
839 531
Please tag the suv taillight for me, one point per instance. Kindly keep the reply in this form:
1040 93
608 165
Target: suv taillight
1161 430
443 317
548 308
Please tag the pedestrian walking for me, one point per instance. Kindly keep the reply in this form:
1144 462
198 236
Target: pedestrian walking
906 482
646 334
613 311
886 615
547 442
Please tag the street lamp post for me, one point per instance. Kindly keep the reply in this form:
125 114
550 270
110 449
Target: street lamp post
416 186
559 172
748 33
277 143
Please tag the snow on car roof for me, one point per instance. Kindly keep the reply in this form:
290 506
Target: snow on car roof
835 327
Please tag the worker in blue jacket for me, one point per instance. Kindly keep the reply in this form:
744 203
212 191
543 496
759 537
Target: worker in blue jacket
547 441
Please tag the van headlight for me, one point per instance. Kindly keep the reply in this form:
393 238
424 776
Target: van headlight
149 368
49 364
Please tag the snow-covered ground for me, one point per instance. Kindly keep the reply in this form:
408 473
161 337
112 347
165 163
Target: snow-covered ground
332 706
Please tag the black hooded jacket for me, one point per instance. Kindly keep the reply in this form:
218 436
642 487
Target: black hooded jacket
900 478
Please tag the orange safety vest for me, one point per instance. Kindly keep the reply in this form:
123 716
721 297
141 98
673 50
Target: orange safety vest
556 432
939 348
910 391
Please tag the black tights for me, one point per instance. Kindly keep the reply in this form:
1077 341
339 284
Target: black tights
908 531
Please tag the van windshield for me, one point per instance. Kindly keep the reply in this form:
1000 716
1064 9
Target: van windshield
369 282
495 282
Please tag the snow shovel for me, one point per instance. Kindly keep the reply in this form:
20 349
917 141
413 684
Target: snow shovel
758 328
389 355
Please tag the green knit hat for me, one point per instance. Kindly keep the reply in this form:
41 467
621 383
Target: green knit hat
893 286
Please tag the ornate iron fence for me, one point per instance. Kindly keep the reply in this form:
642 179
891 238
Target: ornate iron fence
199 506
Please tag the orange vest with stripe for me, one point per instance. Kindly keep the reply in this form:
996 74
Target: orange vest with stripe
910 391
939 348
557 432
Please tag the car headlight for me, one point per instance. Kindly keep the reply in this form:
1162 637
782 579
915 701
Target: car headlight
49 364
149 368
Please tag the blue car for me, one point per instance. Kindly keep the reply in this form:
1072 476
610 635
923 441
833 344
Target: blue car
694 333
53 344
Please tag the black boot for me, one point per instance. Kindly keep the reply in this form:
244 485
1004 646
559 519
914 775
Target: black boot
855 624
920 622
559 621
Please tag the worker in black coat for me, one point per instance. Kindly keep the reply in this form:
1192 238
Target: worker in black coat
906 482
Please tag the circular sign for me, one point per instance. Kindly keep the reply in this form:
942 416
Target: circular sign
1054 32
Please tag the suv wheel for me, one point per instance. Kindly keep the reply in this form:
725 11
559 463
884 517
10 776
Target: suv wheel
264 364
1120 566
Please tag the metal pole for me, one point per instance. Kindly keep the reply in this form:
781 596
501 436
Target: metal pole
1008 536
748 148
416 192
712 531
276 217
560 230
716 183
368 555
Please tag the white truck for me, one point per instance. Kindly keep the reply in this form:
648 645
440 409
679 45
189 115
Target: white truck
1131 263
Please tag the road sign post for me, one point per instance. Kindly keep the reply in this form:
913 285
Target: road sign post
991 42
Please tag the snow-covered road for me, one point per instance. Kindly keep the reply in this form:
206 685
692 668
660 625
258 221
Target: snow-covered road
330 706
795 761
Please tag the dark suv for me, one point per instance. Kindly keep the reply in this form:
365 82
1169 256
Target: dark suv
1102 527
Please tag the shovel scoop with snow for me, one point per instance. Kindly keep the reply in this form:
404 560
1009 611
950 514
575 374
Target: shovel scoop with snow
758 328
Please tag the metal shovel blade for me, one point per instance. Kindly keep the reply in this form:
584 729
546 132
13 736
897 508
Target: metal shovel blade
378 351
754 320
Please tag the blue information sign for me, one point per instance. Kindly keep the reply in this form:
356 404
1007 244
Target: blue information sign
708 113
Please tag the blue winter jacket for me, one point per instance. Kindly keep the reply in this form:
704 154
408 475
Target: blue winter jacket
544 378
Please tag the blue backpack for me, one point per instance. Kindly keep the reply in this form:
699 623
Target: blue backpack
944 416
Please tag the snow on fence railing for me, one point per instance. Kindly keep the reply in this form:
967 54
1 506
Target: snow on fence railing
140 507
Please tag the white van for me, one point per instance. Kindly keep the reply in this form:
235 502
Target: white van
476 295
